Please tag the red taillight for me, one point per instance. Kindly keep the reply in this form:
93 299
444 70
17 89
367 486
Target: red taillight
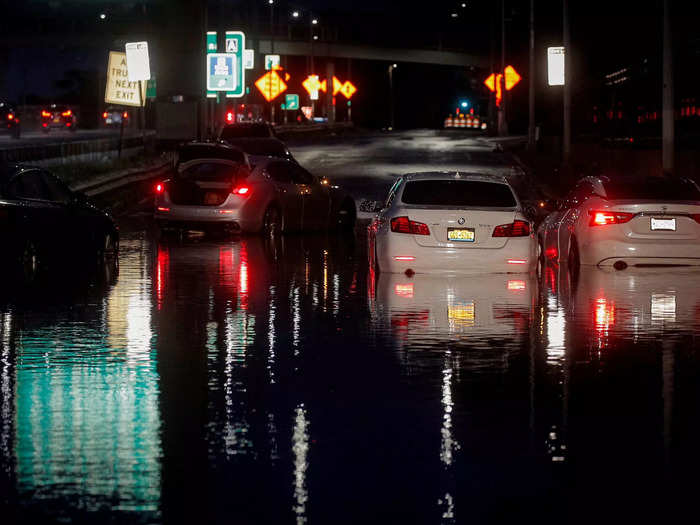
160 188
68 124
241 190
696 217
515 229
125 115
405 225
45 114
601 218
10 116
67 113
104 115
163 209
229 117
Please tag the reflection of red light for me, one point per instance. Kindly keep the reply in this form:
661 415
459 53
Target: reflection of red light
226 266
551 253
516 285
402 320
517 261
243 276
163 209
405 258
404 290
162 269
604 315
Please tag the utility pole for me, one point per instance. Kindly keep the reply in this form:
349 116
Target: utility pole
391 96
531 93
566 149
667 114
272 52
502 125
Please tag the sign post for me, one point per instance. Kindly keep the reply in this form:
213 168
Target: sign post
138 70
235 45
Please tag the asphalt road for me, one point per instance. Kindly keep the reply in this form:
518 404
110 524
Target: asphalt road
58 135
218 380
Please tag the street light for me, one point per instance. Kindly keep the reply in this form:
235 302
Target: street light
102 16
295 14
391 95
314 21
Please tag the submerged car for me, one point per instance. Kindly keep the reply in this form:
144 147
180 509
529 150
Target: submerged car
43 222
624 221
451 222
274 196
9 120
115 117
256 148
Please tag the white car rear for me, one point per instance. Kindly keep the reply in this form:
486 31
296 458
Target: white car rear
624 222
451 222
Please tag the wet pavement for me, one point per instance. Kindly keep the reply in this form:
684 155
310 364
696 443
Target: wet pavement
215 380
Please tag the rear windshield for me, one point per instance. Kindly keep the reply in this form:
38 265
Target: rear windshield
469 193
271 147
214 172
654 188
243 131
209 152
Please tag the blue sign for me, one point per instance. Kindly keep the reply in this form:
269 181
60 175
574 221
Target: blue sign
222 71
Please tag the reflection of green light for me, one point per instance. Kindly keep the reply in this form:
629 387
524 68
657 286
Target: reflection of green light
87 420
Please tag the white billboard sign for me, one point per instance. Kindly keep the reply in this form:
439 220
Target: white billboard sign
119 89
555 65
137 61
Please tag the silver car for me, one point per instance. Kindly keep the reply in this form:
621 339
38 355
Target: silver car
274 196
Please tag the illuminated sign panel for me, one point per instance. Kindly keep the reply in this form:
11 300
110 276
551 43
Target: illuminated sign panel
119 89
555 65
270 85
495 81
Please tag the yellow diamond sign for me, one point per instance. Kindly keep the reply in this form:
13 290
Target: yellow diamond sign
270 85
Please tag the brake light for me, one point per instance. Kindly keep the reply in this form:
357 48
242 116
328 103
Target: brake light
405 225
68 124
125 115
45 114
10 116
160 187
104 115
602 218
229 117
67 113
515 229
241 190
163 209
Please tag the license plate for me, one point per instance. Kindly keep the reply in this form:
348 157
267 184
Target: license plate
460 234
57 119
663 224
212 198
462 313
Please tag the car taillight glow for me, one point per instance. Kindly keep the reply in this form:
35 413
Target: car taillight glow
67 113
45 114
163 208
515 229
104 115
602 218
404 258
10 116
517 261
405 225
241 190
159 188
125 115
68 124
229 117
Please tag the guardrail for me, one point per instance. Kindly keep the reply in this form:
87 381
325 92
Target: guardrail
115 180
84 150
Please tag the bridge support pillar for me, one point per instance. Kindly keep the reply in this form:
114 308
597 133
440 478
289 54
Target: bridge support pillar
330 106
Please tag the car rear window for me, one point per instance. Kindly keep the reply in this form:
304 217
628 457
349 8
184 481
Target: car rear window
192 152
213 172
470 193
653 188
243 131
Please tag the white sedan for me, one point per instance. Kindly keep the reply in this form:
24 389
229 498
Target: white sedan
451 222
623 222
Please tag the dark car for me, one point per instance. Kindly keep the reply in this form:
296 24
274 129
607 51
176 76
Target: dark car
249 130
9 120
43 222
262 147
58 116
114 117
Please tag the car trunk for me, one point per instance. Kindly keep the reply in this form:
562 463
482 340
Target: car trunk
659 221
479 221
198 193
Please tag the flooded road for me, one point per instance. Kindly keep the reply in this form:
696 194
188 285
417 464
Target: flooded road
249 381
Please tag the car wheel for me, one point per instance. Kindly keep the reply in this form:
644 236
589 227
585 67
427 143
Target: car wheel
272 222
346 216
29 260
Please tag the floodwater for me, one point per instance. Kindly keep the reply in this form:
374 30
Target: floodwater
249 381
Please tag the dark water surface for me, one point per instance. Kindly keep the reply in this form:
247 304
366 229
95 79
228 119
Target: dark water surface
246 381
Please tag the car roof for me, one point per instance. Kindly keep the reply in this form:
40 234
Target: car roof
210 150
455 175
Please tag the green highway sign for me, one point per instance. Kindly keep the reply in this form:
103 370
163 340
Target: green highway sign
151 87
211 48
291 102
235 45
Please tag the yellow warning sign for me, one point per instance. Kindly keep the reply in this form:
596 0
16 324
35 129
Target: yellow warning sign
119 89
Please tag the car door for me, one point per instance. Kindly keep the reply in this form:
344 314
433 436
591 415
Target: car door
41 218
571 214
286 193
315 199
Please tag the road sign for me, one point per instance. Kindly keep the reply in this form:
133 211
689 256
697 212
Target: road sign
235 45
308 111
313 86
272 62
348 89
221 72
291 102
555 65
512 77
211 48
249 58
151 87
271 85
119 89
494 82
137 61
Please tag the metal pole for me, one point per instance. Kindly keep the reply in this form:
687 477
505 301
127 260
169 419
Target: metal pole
502 126
272 52
667 114
566 149
531 94
391 97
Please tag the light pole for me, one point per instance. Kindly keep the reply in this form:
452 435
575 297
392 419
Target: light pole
272 51
391 95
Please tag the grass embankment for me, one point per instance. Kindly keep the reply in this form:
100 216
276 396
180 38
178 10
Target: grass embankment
75 172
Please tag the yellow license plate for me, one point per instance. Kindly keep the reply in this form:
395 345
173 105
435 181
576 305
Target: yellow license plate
462 313
460 234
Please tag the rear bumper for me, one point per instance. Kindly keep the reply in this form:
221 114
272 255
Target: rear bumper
607 252
467 261
206 215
